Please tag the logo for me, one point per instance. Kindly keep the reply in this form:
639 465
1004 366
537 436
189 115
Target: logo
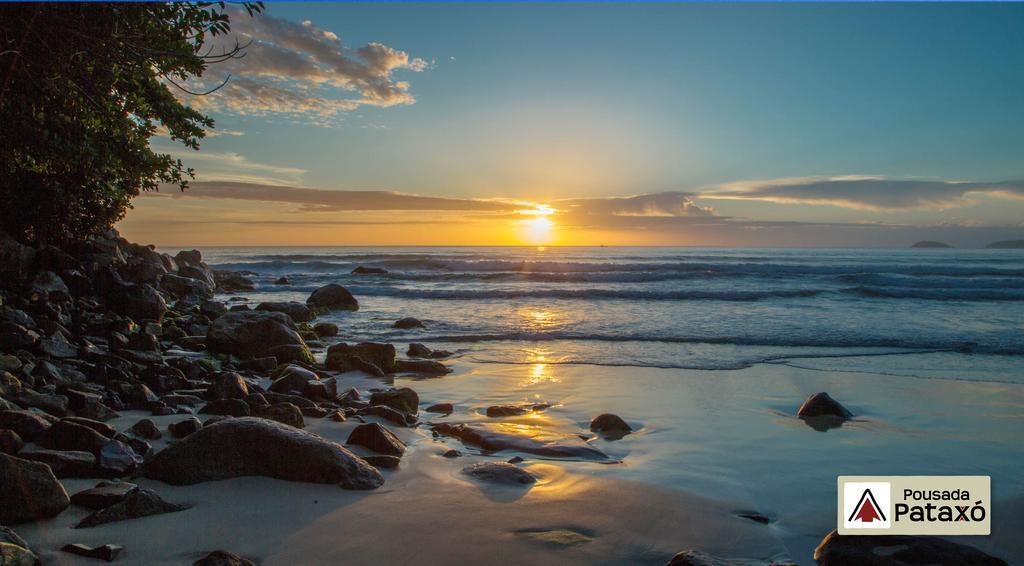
866 505
914 505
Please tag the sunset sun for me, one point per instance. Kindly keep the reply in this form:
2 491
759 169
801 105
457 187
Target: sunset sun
539 228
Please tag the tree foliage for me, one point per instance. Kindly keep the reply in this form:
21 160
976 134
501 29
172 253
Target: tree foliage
83 87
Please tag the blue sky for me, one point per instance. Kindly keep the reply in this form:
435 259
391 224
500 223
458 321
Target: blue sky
549 102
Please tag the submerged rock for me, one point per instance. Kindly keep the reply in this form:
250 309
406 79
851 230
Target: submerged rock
421 367
610 425
823 405
223 558
138 503
106 552
401 399
324 329
495 441
258 447
29 491
297 311
332 297
361 270
408 323
898 550
443 408
377 438
698 558
340 356
500 472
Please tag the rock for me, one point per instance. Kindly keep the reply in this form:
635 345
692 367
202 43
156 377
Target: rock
515 460
360 270
421 367
139 302
29 491
15 555
452 453
54 404
417 350
192 258
321 390
117 459
377 438
380 461
146 428
495 440
103 495
698 558
212 309
293 378
285 413
364 366
387 413
898 550
91 407
56 346
47 286
10 442
324 329
28 425
229 407
297 311
141 447
495 411
138 503
228 385
332 297
610 425
10 537
107 552
282 281
251 334
257 447
407 323
339 356
185 428
233 281
222 558
402 399
500 472
181 287
443 408
261 365
67 435
821 405
102 428
338 416
288 353
65 464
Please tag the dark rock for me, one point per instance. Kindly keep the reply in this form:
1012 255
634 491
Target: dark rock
289 353
821 405
103 495
139 302
500 472
54 404
323 389
421 367
222 558
324 329
107 552
251 446
408 323
755 517
229 407
233 281
252 333
292 378
610 425
698 558
67 435
494 441
15 555
364 366
193 258
360 270
285 413
90 406
402 399
146 428
212 309
339 356
377 438
47 286
228 385
180 286
282 281
56 346
515 460
65 464
262 365
138 503
387 413
443 408
102 428
332 297
898 550
10 442
338 416
185 428
452 453
141 447
29 491
495 411
417 350
314 412
297 311
10 537
380 461
118 459
275 398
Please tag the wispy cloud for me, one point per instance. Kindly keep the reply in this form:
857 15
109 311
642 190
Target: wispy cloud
668 204
236 168
301 70
866 192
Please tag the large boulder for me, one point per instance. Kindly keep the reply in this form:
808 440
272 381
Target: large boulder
251 446
297 311
180 286
71 436
138 503
898 550
139 302
401 399
251 334
292 378
342 357
29 491
332 297
376 438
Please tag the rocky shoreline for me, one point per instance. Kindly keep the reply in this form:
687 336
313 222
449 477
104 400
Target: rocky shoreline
109 326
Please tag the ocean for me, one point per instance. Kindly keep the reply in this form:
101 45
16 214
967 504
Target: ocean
875 310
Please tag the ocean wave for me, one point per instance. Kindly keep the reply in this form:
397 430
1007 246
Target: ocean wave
932 282
592 294
937 294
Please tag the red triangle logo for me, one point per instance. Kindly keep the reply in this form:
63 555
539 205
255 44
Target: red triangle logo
867 509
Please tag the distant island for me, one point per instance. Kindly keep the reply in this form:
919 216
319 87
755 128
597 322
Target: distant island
1007 245
931 244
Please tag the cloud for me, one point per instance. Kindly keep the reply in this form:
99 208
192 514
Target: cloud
667 204
866 192
299 69
319 200
233 167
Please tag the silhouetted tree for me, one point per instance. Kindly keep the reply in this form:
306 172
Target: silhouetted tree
83 87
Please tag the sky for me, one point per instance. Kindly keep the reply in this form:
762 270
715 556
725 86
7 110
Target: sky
606 124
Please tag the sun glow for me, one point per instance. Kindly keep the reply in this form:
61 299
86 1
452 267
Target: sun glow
539 229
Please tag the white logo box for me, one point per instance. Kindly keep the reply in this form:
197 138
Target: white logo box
914 505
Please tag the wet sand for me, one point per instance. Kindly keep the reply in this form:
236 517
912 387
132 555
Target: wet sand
708 445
